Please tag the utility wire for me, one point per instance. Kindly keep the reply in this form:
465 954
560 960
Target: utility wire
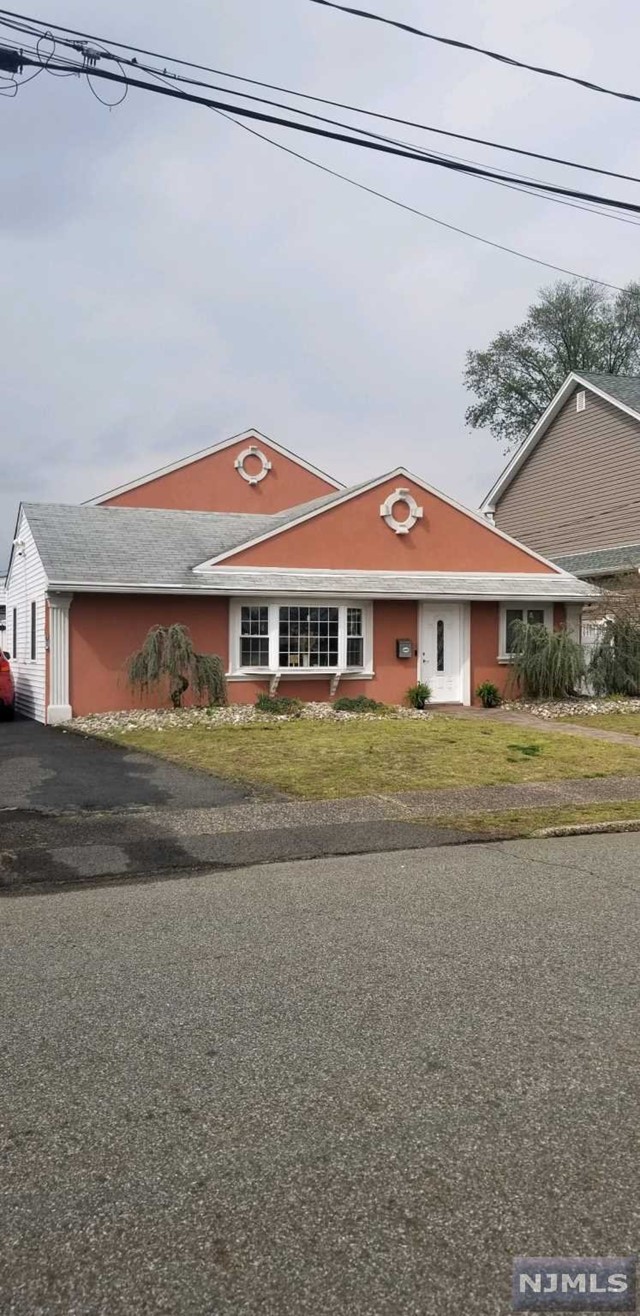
387 149
319 100
478 50
519 183
412 210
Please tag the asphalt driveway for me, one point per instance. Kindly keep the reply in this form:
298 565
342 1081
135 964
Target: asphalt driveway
357 1085
75 809
56 770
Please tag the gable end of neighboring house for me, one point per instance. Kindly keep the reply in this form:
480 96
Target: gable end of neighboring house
26 623
575 485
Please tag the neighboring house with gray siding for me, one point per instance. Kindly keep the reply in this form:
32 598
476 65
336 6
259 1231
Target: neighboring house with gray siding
572 490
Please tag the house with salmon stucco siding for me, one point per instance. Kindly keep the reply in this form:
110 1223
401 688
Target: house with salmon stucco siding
301 585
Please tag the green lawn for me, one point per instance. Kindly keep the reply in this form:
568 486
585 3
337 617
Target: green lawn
329 760
629 723
523 822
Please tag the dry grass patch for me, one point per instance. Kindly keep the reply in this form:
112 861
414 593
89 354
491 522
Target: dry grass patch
330 760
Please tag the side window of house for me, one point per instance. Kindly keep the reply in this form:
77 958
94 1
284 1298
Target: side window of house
34 630
14 638
532 616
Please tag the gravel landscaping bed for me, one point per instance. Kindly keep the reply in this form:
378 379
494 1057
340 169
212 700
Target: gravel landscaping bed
160 719
581 707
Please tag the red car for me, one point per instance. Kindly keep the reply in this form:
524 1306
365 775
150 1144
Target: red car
7 688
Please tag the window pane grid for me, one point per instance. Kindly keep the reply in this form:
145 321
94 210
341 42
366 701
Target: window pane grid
254 637
355 638
308 637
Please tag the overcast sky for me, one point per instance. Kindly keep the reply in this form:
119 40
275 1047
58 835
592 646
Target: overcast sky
168 280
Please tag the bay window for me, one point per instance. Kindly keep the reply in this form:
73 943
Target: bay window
536 614
287 636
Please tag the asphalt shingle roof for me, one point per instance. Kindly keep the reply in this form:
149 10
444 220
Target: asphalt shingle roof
600 561
624 388
136 545
159 548
409 584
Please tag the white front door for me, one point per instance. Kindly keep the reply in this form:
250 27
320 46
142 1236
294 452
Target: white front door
442 660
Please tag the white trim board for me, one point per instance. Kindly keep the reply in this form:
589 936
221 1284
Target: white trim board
400 472
208 452
522 453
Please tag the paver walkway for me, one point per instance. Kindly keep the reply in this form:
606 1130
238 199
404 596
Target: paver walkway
544 724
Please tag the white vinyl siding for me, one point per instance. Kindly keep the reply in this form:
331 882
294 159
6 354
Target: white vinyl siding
26 592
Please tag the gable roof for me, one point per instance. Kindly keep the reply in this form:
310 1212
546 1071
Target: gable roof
320 505
128 549
134 545
623 391
602 561
208 452
618 388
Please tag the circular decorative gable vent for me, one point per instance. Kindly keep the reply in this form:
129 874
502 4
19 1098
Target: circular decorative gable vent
415 512
240 460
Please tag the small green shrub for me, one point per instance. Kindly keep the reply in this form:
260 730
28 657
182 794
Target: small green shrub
546 664
614 667
279 705
418 696
489 695
357 704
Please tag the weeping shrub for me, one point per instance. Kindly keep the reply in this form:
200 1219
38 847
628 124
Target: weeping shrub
614 667
168 655
546 664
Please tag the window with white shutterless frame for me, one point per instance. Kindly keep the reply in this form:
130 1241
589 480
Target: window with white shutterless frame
534 614
294 636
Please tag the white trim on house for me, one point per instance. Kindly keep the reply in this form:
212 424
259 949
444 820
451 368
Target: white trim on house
273 669
348 495
521 455
26 584
209 452
273 581
523 605
59 707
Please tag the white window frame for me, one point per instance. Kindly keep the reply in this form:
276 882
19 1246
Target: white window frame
524 605
237 671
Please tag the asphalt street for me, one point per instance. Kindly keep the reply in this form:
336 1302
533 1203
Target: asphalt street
357 1085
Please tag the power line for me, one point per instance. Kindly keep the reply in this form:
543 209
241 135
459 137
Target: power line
519 183
319 100
478 50
412 210
384 147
